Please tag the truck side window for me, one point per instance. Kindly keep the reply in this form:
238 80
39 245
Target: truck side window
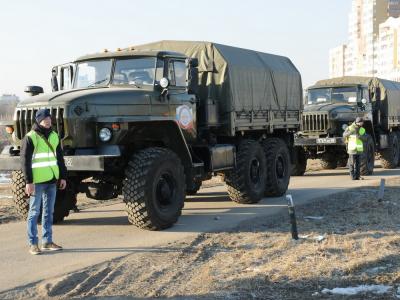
66 78
177 73
159 69
180 73
365 94
171 73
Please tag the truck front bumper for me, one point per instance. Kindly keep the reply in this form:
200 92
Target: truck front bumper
73 163
334 141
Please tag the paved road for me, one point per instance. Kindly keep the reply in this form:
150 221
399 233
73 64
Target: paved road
98 234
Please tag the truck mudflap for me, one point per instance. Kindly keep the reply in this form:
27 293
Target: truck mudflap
73 163
328 141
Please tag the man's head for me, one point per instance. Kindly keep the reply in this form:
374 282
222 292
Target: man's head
359 121
43 118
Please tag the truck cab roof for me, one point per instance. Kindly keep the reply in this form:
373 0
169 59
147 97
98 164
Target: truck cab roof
130 53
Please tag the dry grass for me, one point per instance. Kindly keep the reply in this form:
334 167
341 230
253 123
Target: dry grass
258 259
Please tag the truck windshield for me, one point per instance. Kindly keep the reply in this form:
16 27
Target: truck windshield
135 71
333 95
93 73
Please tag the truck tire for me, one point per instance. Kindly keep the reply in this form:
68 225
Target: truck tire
390 156
194 189
21 199
64 199
246 183
328 161
278 167
300 162
154 189
368 157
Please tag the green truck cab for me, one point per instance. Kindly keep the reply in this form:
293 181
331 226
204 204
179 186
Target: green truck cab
333 104
151 122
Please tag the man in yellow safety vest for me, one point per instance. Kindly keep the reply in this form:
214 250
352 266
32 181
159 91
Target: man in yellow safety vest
354 136
43 166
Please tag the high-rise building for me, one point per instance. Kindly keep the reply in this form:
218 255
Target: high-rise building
364 20
389 49
337 61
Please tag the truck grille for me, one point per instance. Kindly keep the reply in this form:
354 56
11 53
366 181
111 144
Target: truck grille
313 122
25 117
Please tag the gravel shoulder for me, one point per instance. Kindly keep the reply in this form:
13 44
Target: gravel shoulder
351 240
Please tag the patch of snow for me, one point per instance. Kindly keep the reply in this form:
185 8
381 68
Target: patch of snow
320 238
313 218
349 291
304 236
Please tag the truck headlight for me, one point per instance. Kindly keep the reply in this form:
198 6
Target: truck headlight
344 127
105 134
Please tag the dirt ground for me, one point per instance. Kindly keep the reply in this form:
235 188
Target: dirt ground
350 240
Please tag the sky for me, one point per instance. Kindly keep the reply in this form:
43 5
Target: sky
36 35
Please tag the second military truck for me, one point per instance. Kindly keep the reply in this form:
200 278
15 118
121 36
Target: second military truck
332 105
152 122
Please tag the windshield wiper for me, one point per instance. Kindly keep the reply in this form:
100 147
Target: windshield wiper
97 82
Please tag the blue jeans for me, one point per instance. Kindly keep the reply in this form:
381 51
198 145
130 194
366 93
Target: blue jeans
43 197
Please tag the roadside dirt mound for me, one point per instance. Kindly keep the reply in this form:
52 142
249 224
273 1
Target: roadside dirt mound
350 240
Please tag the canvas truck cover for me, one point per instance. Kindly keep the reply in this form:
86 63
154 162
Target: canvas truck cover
389 95
240 81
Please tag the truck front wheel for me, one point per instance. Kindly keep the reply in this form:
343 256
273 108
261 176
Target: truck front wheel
278 167
154 189
246 183
65 200
329 161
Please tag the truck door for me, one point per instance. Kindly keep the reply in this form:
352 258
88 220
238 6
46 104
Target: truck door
182 105
62 77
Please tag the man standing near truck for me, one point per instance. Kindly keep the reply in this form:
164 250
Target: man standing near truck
43 165
354 135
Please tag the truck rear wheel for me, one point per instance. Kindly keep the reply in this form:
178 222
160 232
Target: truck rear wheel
390 156
64 199
154 189
329 161
278 167
368 157
246 183
299 162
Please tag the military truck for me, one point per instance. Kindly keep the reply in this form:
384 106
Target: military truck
332 105
151 122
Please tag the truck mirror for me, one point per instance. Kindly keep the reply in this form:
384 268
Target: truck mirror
54 81
33 90
193 81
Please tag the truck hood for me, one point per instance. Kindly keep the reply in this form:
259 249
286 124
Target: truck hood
330 107
98 94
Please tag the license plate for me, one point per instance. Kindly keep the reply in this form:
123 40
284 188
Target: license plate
326 141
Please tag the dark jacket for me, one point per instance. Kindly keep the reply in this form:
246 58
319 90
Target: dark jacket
27 149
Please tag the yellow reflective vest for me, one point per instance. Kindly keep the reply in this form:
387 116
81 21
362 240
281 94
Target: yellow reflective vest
44 160
354 144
